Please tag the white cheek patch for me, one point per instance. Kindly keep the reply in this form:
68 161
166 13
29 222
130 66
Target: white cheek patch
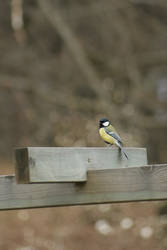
105 124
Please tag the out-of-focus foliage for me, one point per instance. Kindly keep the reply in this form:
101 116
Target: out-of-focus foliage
47 100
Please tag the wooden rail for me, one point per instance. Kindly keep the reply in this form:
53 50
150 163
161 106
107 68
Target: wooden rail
103 186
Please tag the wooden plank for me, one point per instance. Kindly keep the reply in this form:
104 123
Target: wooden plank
103 186
62 164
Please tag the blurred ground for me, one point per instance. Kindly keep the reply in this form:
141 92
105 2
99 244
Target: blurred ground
63 65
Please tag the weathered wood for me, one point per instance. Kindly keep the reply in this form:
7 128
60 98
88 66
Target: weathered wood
103 186
61 164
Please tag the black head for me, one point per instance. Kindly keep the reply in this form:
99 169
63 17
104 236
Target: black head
104 122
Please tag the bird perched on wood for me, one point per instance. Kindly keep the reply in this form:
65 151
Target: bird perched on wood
109 134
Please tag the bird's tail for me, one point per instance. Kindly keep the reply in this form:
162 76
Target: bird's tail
122 150
125 154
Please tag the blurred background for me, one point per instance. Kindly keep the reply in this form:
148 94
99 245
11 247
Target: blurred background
63 65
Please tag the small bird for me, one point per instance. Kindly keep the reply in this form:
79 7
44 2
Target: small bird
109 134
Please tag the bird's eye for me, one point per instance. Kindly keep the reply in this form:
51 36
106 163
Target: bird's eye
105 124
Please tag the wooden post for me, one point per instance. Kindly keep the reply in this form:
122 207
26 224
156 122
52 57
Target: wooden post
41 164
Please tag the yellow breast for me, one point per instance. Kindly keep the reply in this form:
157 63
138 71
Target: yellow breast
106 137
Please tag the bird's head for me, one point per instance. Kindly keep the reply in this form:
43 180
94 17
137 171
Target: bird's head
104 123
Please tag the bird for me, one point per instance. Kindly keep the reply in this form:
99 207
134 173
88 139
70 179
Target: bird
109 134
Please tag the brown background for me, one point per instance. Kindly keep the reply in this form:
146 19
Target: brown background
58 76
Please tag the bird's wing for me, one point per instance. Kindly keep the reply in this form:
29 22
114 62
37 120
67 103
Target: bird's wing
113 134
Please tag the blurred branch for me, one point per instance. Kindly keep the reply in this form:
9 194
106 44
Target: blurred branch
16 84
93 8
149 2
152 57
123 26
17 21
55 18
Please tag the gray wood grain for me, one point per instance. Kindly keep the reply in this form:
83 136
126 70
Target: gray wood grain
61 164
103 186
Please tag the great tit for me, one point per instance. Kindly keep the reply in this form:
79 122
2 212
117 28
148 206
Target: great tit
109 134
